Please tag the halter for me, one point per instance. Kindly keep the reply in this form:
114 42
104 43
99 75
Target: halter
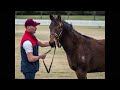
57 36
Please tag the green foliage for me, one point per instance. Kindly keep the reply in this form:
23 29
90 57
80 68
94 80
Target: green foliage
60 12
71 17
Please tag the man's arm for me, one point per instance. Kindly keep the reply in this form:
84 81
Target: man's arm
27 45
43 44
33 58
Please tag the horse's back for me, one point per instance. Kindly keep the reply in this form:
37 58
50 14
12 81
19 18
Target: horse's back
98 52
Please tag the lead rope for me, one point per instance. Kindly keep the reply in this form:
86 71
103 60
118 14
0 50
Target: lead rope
48 70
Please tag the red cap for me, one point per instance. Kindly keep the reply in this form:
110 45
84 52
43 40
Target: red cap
30 22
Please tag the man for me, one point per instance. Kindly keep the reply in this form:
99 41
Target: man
29 50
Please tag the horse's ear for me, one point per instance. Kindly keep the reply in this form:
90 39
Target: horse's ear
51 17
59 18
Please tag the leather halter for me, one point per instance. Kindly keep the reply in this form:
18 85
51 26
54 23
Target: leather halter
57 36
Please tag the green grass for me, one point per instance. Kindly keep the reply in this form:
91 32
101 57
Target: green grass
72 17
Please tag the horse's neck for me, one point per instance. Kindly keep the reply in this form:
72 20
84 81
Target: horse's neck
69 40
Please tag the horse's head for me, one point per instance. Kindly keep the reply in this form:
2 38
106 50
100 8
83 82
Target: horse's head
56 28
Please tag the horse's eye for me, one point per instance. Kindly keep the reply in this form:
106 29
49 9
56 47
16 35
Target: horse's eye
50 28
59 27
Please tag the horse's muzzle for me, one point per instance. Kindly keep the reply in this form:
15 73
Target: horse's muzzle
53 38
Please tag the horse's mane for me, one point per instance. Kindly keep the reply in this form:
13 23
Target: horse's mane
69 27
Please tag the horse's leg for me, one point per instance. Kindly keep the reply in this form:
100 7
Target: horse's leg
81 74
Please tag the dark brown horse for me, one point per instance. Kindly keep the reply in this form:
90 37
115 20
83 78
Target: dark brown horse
84 54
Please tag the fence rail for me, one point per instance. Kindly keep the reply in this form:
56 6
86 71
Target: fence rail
73 22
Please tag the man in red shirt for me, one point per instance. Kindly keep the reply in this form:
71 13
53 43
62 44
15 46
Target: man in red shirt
29 50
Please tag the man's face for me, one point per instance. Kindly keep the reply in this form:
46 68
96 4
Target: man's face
32 29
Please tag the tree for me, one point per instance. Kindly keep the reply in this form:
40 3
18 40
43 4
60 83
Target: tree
41 14
94 13
68 13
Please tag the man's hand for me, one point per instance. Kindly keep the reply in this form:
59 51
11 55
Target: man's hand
52 44
42 56
32 58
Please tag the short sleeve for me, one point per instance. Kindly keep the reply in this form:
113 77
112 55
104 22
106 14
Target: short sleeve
27 45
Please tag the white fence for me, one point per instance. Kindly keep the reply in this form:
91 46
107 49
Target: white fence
73 22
